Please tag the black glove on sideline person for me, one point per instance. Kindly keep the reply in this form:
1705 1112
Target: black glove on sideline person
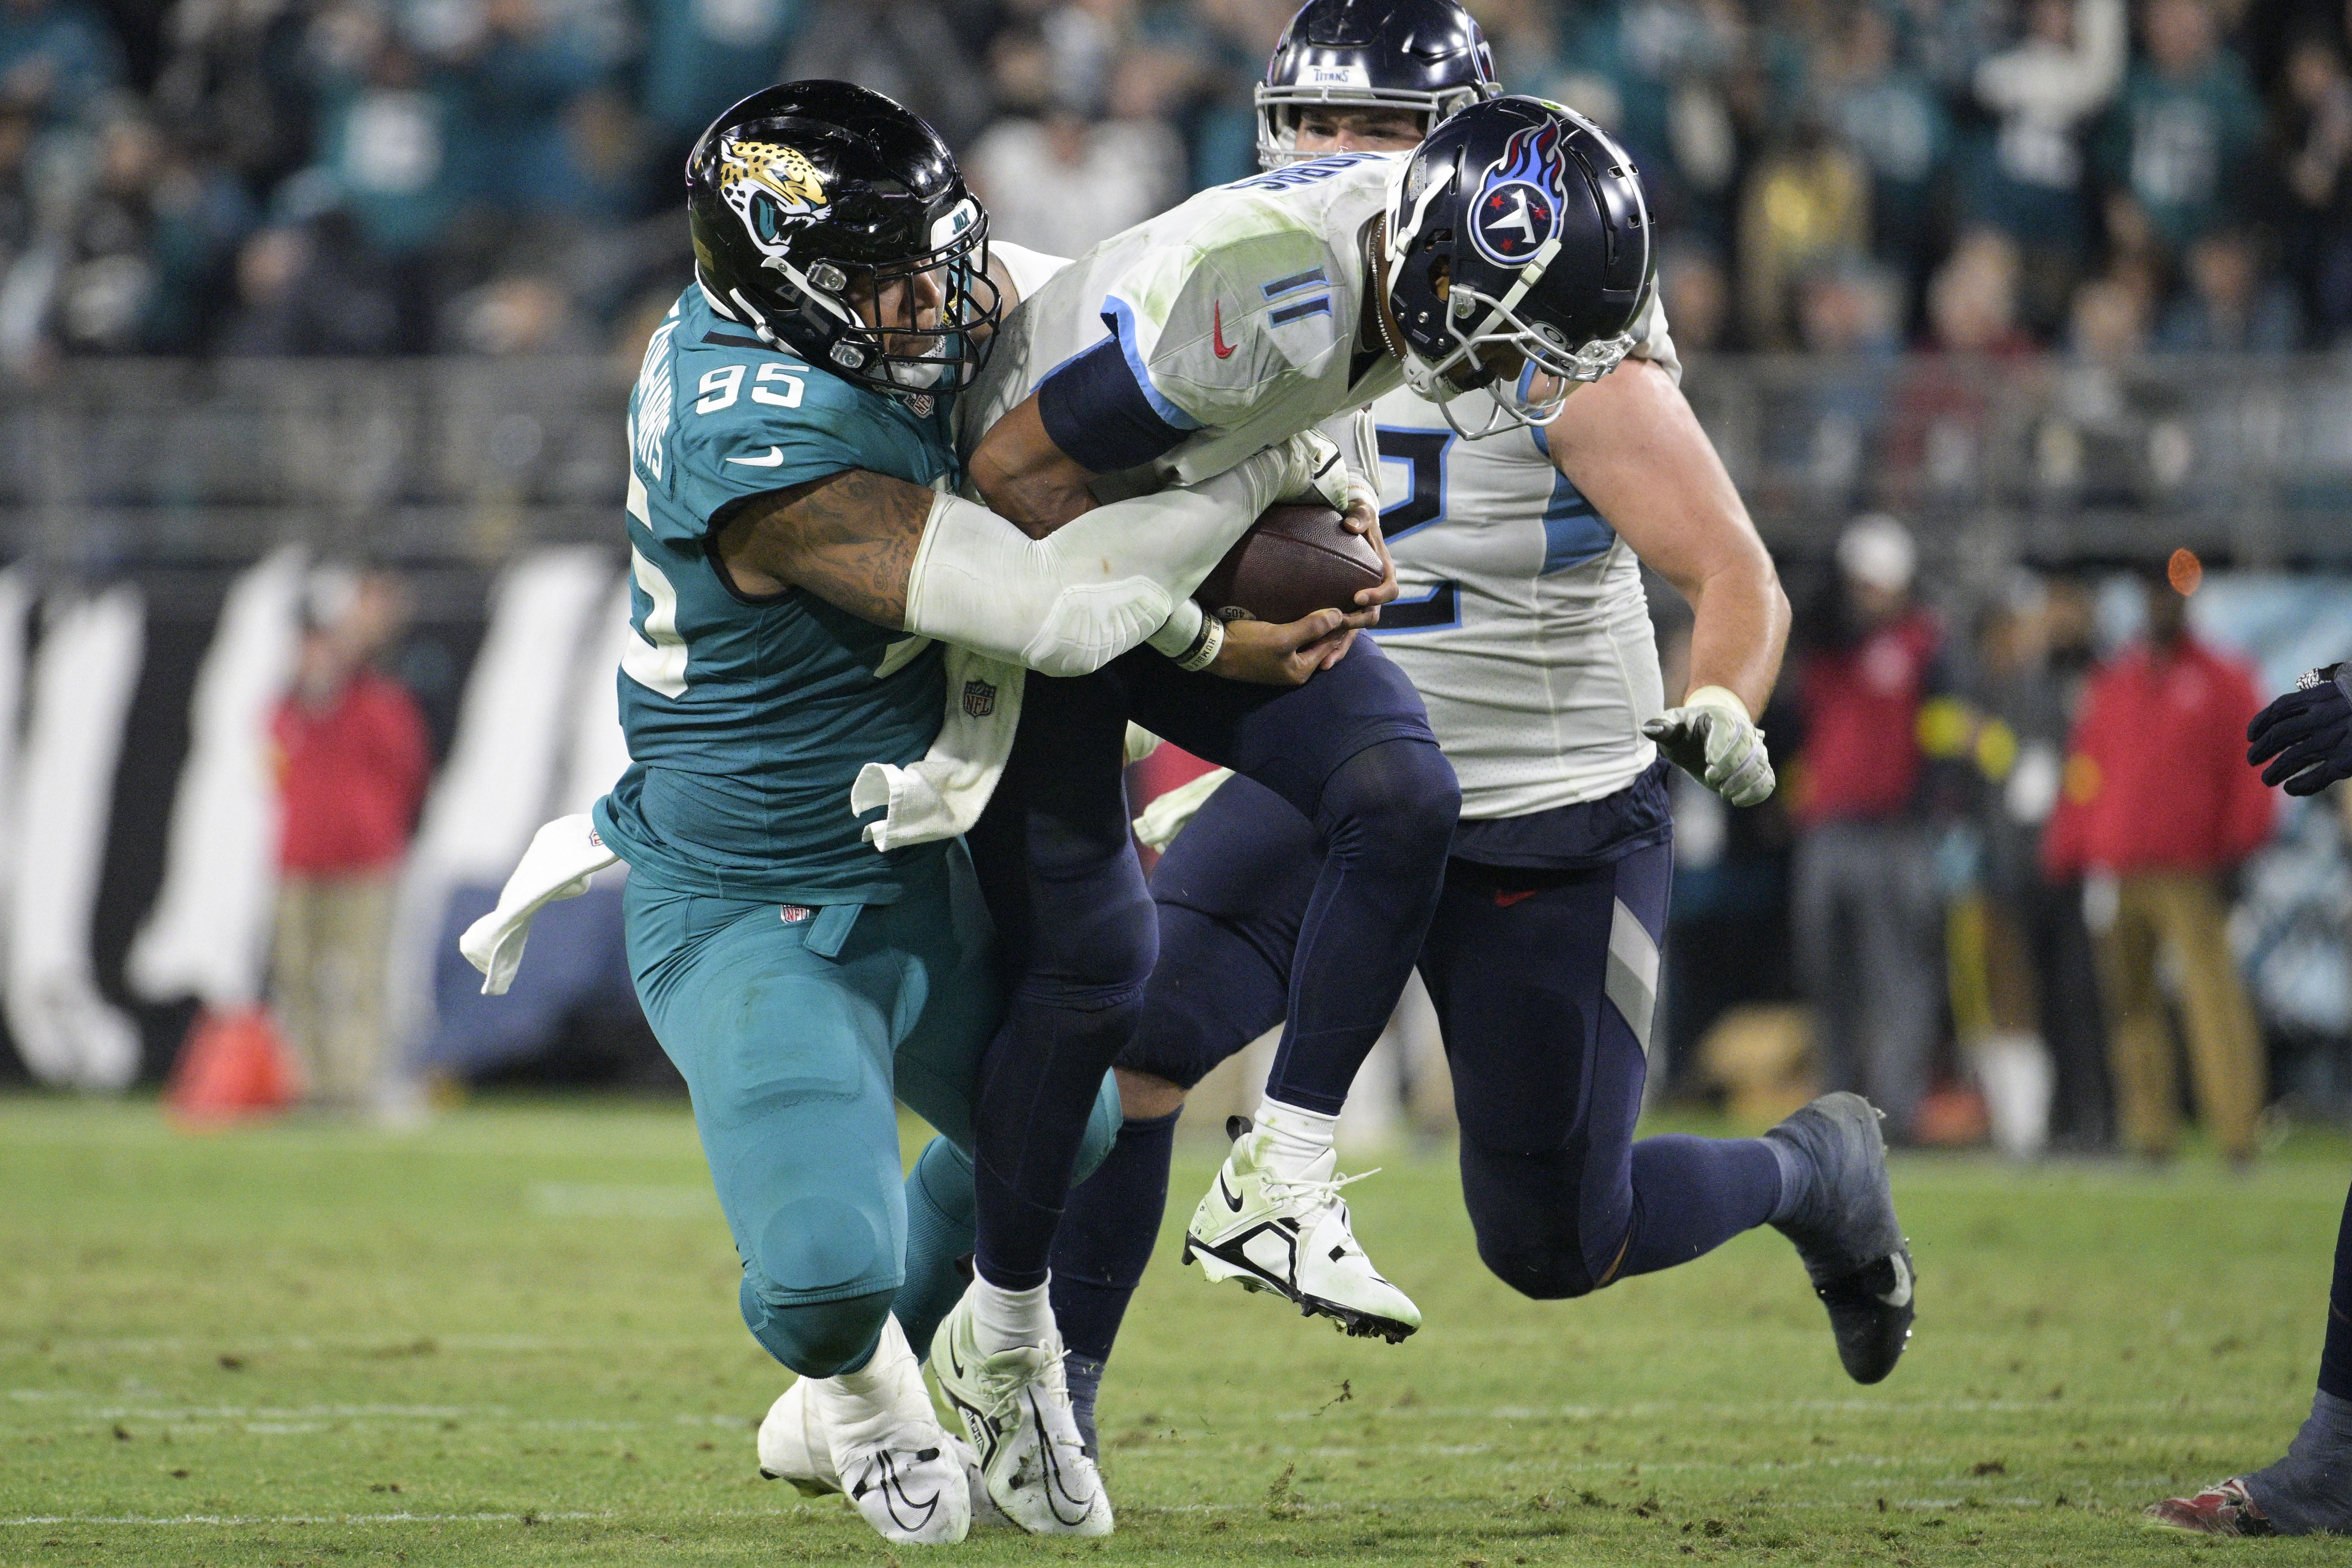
2306 735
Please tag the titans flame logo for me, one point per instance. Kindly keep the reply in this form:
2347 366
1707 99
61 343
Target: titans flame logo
1518 209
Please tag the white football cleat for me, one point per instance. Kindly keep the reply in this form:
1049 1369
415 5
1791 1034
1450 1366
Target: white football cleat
1287 1231
793 1448
881 1444
1016 1409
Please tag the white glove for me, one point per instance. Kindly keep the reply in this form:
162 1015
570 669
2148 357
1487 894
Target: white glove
1711 738
1314 470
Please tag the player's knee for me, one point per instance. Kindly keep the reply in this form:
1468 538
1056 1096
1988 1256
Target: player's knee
813 1247
1393 803
1099 956
1540 1270
1522 1209
816 1339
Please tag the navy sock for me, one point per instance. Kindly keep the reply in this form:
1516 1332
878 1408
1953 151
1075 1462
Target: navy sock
2336 1355
1693 1194
938 1237
1108 1233
1084 1375
1386 818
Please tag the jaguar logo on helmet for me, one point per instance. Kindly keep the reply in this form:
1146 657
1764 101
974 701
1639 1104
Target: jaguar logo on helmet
1518 209
773 188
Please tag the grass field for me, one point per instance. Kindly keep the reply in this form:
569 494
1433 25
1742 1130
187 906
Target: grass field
511 1339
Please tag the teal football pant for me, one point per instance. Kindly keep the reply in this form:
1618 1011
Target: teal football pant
795 1030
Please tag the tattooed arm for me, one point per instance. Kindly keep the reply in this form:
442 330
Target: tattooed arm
849 538
902 557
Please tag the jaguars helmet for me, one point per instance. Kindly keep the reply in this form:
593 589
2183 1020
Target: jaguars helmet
807 201
1425 55
1519 259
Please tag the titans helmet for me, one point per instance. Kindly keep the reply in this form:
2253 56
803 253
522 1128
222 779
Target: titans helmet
1424 55
1520 258
816 206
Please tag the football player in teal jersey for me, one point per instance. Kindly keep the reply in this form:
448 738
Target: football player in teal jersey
797 562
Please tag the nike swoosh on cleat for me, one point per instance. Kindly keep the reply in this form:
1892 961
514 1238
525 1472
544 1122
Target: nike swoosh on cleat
1055 1487
1231 1202
893 1494
774 459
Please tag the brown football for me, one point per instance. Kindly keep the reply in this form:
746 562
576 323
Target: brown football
1294 561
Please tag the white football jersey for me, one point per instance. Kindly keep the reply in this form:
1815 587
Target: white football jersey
1237 310
1521 617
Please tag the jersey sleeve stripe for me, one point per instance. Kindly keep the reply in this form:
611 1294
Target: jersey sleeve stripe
1120 315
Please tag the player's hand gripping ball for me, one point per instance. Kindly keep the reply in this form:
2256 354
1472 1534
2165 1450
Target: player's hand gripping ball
2306 735
1711 738
1294 561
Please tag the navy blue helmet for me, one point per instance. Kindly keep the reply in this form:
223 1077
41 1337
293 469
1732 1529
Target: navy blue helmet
1520 258
811 202
1424 55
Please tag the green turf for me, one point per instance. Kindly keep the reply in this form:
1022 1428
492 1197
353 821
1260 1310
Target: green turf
512 1338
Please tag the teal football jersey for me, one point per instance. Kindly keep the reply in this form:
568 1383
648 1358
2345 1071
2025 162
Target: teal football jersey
749 719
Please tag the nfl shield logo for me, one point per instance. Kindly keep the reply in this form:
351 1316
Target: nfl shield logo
979 698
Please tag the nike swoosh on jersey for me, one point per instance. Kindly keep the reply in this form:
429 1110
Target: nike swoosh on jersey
1217 343
774 459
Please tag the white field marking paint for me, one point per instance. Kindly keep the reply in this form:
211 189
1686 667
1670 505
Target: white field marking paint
279 1423
1648 1409
1548 1467
302 1413
590 1200
245 1520
1804 1505
493 1344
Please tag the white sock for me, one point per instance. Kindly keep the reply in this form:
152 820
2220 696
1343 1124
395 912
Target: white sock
1297 1138
1005 1320
876 1376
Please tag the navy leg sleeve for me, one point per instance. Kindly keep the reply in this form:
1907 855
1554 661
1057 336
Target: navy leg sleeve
1107 1235
1544 983
1230 892
1353 753
1388 814
1078 940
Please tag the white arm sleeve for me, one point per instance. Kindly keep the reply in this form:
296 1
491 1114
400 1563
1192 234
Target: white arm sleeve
1094 588
1359 441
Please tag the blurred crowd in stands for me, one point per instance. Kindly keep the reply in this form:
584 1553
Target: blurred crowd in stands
273 177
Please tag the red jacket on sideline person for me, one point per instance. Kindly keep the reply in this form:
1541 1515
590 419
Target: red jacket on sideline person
351 776
1860 756
2156 773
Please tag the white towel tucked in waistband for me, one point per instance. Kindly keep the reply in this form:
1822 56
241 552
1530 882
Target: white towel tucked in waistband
561 858
944 793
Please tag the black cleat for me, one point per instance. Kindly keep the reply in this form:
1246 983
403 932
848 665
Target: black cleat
1846 1232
